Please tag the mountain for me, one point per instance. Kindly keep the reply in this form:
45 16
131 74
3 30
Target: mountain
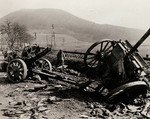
66 23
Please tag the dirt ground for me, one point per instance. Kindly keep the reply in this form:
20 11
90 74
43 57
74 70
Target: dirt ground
52 99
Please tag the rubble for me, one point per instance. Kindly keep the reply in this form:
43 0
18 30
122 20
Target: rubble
84 116
72 72
35 103
36 106
146 111
36 78
39 87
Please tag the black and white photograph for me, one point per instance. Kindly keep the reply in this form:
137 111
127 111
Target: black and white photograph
74 59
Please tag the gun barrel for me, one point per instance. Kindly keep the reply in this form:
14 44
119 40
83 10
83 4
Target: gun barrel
41 54
134 48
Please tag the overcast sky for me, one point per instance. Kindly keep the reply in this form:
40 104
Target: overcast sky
128 13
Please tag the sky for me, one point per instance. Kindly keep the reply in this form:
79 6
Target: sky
127 13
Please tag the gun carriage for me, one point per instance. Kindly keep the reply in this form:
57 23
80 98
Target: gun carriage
20 68
121 70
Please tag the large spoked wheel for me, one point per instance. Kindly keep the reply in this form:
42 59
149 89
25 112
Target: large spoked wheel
127 91
96 53
43 64
16 70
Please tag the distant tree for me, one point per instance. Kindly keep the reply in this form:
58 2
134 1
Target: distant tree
15 33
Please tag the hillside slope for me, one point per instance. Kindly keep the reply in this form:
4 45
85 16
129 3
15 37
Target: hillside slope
66 23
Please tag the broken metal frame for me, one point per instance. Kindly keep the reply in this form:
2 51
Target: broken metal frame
97 55
22 67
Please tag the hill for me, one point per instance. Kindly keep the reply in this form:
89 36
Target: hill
66 23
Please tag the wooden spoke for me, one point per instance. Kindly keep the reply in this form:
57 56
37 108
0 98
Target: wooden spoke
16 70
93 60
94 63
105 46
108 48
88 58
44 64
96 52
101 48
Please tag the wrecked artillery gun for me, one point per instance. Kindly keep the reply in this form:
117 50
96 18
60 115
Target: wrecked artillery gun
122 71
19 68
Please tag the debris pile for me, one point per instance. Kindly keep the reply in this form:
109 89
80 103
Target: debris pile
122 80
32 100
26 102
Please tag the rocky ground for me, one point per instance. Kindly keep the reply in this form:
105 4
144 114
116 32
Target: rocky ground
53 99
37 98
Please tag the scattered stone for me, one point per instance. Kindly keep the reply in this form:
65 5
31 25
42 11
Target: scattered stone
84 116
12 103
40 87
11 94
91 106
52 99
107 112
64 66
19 103
133 108
10 113
66 99
26 86
42 109
42 105
44 81
134 118
4 109
146 110
42 102
30 95
72 72
42 116
101 113
34 116
120 109
24 116
30 89
97 105
58 86
24 103
18 89
138 101
45 93
97 112
49 101
36 77
27 108
19 112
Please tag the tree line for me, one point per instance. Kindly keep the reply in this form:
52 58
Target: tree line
14 33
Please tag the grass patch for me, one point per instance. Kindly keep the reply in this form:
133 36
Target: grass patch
75 63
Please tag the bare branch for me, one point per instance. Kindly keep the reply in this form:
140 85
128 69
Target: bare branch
15 32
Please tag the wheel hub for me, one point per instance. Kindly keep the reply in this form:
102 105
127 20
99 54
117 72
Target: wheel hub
15 70
99 55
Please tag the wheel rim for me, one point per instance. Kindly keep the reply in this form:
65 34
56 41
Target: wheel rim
96 53
44 64
16 70
133 88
